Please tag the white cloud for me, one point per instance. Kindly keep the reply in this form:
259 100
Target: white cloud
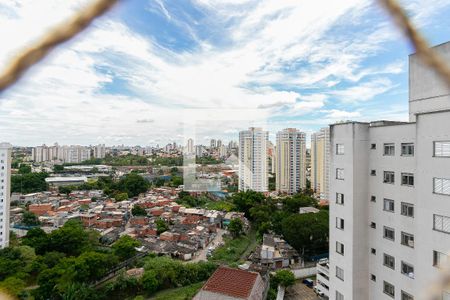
275 49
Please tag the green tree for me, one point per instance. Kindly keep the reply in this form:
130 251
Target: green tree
121 196
161 226
176 181
124 247
244 201
133 184
284 277
307 233
236 227
24 169
138 210
65 189
28 183
12 285
293 204
150 281
30 219
58 168
37 239
71 239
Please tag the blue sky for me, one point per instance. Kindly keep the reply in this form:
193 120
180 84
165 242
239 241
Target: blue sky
149 70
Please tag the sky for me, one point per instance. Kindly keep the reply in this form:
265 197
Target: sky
153 72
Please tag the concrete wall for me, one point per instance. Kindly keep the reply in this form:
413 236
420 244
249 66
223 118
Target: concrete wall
427 92
303 273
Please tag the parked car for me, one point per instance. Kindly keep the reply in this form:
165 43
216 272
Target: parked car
318 291
308 282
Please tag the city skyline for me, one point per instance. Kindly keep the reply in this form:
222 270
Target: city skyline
121 88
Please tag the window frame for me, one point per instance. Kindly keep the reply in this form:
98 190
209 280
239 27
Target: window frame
387 257
339 272
405 208
404 146
437 261
340 200
442 186
408 176
339 147
404 263
444 218
340 248
340 223
391 203
405 242
390 285
389 173
434 149
390 229
388 146
406 296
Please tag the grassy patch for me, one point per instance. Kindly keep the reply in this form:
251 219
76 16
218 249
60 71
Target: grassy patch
182 293
219 205
233 249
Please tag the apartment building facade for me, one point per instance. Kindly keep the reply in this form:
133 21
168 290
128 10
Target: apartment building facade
5 192
320 163
290 166
253 164
390 198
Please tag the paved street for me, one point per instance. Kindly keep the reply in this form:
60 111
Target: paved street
299 291
217 240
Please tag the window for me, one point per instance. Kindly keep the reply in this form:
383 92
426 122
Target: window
407 149
339 149
373 199
407 239
340 174
442 149
339 198
406 296
389 261
340 273
373 225
339 296
340 248
407 269
407 209
388 205
373 277
339 223
373 172
388 289
408 179
389 149
373 251
441 186
440 259
373 146
441 223
389 233
388 177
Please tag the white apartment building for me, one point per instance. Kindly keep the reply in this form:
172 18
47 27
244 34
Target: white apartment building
320 163
290 155
190 146
253 165
390 206
100 151
5 192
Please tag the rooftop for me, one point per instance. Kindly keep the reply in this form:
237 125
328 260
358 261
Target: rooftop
232 282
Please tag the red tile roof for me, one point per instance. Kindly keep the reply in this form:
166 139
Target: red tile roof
232 282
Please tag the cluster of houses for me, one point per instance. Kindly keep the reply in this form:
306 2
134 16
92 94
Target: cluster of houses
188 230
